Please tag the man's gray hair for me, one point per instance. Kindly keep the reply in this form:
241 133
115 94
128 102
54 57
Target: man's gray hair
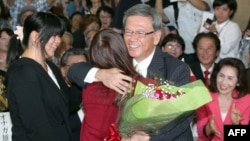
145 11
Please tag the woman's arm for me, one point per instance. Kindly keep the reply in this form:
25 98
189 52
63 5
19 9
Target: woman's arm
200 4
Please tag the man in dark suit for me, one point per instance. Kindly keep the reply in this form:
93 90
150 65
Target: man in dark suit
142 32
207 48
71 56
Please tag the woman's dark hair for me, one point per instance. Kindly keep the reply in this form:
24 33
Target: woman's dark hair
75 13
4 11
46 24
242 86
66 23
106 9
7 30
232 4
108 50
173 38
15 50
210 35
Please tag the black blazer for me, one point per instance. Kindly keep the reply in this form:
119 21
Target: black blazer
75 100
38 108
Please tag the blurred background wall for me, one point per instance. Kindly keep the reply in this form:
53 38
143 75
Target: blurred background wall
242 14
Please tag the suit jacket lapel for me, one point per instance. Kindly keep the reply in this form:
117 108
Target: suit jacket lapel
157 66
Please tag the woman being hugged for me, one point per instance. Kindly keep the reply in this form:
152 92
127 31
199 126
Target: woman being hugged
38 104
230 100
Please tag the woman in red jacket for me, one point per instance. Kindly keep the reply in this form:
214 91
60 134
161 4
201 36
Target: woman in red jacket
230 101
100 104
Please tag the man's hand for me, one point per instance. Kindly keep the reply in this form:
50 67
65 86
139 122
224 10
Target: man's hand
114 79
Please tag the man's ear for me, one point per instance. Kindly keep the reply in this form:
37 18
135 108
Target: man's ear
157 37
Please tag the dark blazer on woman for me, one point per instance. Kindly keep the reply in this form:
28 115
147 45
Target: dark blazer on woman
38 107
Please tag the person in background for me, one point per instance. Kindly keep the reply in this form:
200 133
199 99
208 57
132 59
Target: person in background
66 44
24 13
88 22
15 7
189 20
71 56
230 101
15 49
228 31
4 16
245 46
88 39
75 19
105 14
207 48
67 40
5 35
94 6
37 96
174 45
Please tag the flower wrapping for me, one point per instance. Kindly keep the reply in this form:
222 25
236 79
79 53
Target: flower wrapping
151 108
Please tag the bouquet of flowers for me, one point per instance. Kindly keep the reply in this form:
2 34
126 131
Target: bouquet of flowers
153 106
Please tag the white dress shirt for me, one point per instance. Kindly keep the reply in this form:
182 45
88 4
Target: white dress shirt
230 37
143 65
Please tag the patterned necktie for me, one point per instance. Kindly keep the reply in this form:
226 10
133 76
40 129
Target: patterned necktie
137 69
206 79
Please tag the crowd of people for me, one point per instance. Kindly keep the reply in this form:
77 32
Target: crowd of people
65 66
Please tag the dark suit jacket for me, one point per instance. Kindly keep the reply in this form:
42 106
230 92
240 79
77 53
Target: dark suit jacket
196 69
165 66
162 66
38 108
75 101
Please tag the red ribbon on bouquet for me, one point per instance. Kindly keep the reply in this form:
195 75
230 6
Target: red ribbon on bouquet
113 134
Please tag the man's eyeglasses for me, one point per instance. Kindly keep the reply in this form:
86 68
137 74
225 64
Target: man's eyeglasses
140 34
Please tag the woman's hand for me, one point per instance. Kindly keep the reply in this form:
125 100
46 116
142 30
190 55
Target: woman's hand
211 128
236 115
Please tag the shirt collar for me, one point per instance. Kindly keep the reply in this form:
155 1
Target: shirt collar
204 69
143 65
222 24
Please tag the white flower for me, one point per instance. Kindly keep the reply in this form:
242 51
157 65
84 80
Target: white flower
19 32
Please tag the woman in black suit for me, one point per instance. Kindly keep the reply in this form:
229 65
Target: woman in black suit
37 102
